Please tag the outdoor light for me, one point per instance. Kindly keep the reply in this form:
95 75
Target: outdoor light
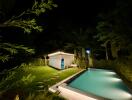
90 61
88 51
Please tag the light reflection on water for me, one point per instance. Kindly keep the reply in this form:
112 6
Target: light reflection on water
102 83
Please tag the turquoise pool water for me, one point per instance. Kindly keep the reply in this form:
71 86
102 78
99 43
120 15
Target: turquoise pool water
103 83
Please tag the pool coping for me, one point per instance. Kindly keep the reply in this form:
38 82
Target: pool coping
90 95
54 88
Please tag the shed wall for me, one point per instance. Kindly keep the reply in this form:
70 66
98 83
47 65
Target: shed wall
55 60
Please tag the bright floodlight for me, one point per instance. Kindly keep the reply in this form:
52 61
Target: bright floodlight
88 51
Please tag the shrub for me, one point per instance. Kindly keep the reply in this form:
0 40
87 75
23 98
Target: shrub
44 96
82 63
37 62
104 64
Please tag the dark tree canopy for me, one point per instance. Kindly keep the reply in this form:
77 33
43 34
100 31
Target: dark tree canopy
19 23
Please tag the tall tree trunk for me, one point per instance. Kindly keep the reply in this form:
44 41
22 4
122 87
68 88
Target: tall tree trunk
106 51
114 50
107 46
75 55
83 52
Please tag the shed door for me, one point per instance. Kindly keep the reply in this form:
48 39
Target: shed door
62 63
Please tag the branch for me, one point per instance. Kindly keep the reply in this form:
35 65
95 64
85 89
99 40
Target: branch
29 24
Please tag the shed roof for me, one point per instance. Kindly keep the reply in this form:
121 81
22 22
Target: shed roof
59 53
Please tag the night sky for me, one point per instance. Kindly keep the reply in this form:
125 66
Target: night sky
77 12
82 13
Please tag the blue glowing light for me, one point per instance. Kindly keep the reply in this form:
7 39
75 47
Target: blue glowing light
88 51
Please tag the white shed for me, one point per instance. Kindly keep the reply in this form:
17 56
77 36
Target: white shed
60 60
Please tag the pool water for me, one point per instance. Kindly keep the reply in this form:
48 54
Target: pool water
103 83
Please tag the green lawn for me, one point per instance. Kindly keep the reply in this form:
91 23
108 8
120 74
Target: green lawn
33 80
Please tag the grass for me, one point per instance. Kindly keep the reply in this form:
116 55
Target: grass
32 82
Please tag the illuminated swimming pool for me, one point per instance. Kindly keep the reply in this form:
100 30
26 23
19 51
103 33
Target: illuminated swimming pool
100 83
